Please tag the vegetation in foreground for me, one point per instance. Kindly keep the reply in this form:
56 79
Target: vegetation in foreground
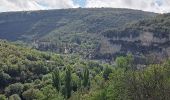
27 74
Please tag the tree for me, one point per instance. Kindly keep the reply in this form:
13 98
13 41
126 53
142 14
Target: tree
3 97
106 73
16 88
86 80
51 94
76 82
117 88
4 79
68 87
124 62
121 62
14 97
39 68
100 95
32 94
56 79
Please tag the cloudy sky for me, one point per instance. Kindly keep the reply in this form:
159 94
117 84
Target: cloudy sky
160 6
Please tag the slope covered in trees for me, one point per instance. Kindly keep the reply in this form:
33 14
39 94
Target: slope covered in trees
36 24
24 65
158 26
27 74
30 74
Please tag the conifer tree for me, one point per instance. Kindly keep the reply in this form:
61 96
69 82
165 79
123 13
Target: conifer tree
86 77
56 79
68 87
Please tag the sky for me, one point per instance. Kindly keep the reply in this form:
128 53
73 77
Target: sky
158 6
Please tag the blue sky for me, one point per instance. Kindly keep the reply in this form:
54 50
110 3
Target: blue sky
159 2
159 6
82 3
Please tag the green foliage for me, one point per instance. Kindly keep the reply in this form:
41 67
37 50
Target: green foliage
158 26
3 97
33 94
153 83
16 88
124 62
100 95
86 79
121 62
18 67
27 86
56 79
76 82
14 97
51 94
107 72
150 83
68 86
40 79
117 88
5 78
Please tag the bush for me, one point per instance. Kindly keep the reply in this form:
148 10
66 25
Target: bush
5 78
3 97
14 97
16 88
33 94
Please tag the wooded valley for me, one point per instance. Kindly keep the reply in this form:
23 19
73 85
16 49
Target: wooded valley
84 54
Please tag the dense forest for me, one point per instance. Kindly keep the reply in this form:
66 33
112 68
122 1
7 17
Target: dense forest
28 74
84 54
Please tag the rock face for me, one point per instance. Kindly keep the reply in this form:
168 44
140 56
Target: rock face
144 38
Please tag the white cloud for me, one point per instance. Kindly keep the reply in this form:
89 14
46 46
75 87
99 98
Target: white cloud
20 5
57 4
146 5
165 6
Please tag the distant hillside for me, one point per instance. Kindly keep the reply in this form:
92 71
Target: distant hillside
37 24
72 31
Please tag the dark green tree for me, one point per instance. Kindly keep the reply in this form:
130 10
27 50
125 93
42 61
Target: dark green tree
5 78
68 87
86 80
56 79
107 72
16 88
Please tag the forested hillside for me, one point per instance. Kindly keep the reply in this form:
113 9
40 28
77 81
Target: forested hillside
36 24
28 74
70 31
